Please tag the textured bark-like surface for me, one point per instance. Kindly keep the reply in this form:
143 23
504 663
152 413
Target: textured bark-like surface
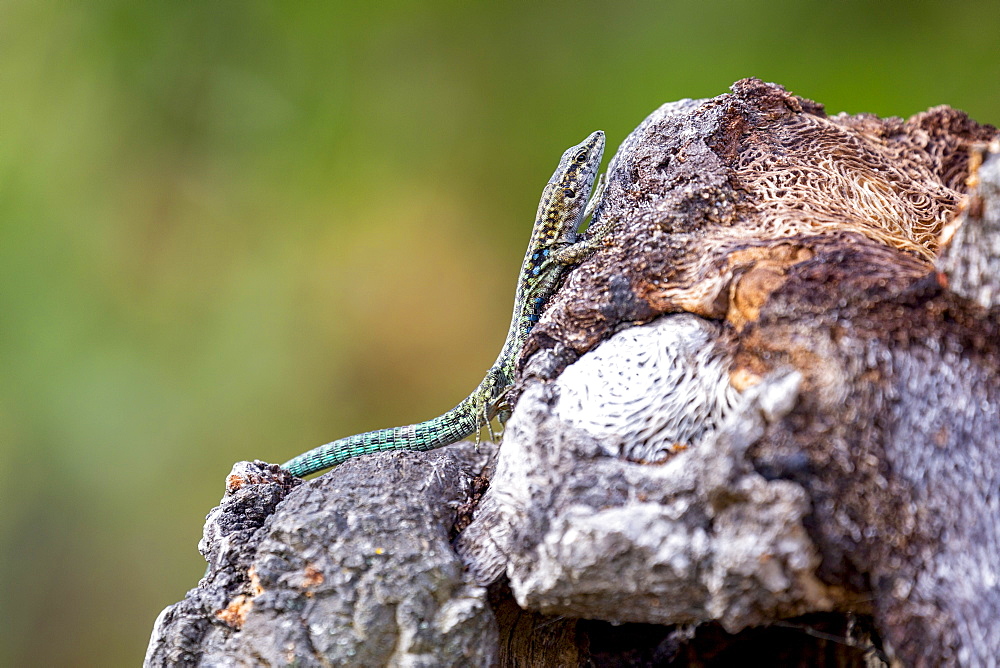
700 537
971 257
860 457
530 639
198 625
896 439
786 447
353 568
716 198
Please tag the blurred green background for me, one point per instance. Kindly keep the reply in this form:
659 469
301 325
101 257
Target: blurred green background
239 230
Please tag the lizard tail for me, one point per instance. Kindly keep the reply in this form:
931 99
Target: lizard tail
456 424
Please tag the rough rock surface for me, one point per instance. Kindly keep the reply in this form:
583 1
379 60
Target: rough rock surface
971 257
895 439
716 199
354 568
811 239
188 630
815 448
700 537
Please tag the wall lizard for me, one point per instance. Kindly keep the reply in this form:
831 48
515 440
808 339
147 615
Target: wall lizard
554 246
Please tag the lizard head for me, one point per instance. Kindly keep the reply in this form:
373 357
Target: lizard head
565 196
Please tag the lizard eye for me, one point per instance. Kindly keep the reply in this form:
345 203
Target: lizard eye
569 192
581 157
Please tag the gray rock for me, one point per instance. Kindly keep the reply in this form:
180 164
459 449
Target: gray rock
757 405
699 537
352 568
971 257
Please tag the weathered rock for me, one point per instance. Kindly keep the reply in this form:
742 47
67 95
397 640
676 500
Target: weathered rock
354 567
700 537
186 631
971 256
895 439
715 200
790 415
811 239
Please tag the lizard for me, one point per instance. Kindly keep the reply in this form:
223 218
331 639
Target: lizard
555 245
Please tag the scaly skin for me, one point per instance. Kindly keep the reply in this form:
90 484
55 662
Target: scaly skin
553 248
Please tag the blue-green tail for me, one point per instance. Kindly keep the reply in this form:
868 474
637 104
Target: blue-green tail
461 421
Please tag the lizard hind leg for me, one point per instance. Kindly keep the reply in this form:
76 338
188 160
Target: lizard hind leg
501 407
483 406
484 420
491 402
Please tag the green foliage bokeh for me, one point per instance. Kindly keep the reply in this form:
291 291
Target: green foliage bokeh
238 230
